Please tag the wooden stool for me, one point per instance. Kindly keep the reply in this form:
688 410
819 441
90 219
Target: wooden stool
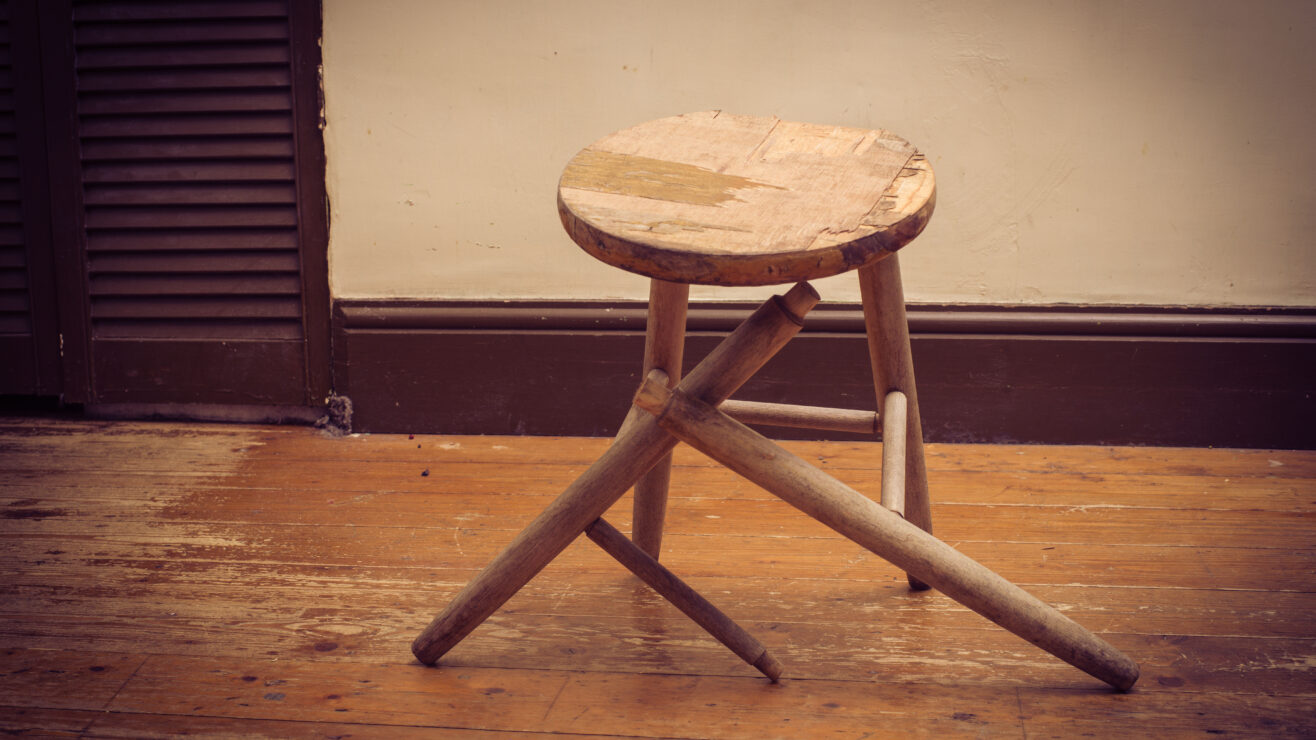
720 199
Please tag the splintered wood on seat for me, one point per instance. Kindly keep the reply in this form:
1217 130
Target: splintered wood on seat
723 199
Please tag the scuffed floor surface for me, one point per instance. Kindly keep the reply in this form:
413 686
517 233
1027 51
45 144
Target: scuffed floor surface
170 579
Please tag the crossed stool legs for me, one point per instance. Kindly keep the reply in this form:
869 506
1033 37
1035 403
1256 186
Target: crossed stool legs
905 480
689 412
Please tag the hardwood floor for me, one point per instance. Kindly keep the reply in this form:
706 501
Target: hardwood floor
172 579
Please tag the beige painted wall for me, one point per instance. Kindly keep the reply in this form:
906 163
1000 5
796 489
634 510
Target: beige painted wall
1086 152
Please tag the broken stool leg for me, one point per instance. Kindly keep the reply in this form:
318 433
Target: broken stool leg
694 606
894 419
637 449
883 532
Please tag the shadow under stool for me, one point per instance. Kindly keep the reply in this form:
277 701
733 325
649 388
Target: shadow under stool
719 199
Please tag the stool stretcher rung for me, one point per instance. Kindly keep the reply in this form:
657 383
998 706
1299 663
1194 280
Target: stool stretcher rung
803 417
883 532
672 588
894 418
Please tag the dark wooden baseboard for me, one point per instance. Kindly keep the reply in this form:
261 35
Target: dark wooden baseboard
1057 375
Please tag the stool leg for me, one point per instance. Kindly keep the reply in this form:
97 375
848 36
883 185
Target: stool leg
883 532
676 591
895 412
893 370
641 444
664 343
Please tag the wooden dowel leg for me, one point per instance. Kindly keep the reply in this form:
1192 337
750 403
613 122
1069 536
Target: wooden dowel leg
636 450
894 410
663 346
683 597
545 537
893 370
884 533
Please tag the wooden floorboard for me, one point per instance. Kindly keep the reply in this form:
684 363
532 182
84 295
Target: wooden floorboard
159 580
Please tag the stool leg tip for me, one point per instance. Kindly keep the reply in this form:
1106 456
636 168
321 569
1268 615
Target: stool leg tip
424 651
768 666
1124 682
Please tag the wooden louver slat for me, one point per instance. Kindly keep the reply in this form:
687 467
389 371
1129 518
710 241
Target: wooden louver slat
189 171
177 57
205 101
195 262
170 307
197 149
178 30
226 284
240 123
11 235
200 193
152 10
189 217
185 124
188 79
193 240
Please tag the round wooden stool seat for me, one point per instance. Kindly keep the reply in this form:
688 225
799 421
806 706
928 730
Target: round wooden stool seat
720 199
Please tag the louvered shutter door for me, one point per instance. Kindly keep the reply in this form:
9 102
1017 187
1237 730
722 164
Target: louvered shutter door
29 349
17 371
185 116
